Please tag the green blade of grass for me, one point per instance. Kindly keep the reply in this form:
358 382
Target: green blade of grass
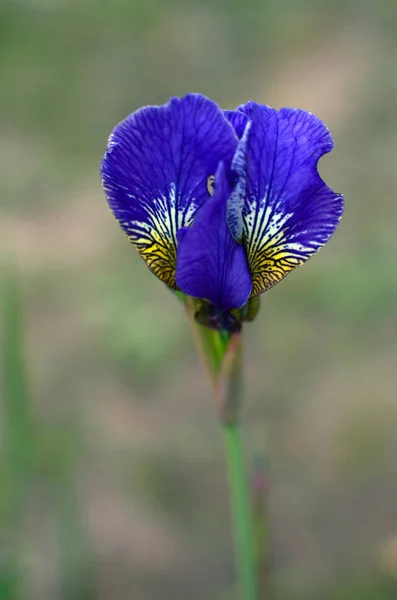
77 558
21 446
17 423
17 436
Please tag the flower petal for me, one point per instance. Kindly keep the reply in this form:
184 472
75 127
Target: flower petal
289 211
236 200
210 263
238 121
155 173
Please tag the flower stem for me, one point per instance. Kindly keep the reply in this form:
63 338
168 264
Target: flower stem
240 506
221 353
229 390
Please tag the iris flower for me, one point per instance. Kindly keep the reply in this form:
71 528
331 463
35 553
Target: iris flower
221 205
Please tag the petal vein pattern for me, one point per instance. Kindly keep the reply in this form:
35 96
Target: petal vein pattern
289 212
236 200
271 253
155 173
155 238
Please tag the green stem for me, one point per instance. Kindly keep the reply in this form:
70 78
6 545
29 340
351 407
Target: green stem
240 506
221 353
210 344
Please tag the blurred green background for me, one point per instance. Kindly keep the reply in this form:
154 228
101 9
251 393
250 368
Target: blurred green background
112 480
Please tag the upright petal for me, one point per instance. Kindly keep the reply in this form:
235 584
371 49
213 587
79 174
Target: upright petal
238 121
236 200
155 173
289 211
210 263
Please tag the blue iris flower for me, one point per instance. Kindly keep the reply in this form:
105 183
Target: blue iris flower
221 205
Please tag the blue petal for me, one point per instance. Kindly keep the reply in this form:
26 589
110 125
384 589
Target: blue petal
235 204
156 170
289 211
210 263
238 121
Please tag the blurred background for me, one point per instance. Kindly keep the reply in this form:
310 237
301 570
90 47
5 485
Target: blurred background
112 476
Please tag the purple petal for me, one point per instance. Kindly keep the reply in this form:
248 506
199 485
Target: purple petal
156 169
210 263
238 120
236 200
289 211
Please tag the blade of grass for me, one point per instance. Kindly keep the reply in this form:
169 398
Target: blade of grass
17 422
20 445
76 556
17 435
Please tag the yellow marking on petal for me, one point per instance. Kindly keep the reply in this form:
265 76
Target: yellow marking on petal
159 253
267 271
210 184
155 236
271 255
